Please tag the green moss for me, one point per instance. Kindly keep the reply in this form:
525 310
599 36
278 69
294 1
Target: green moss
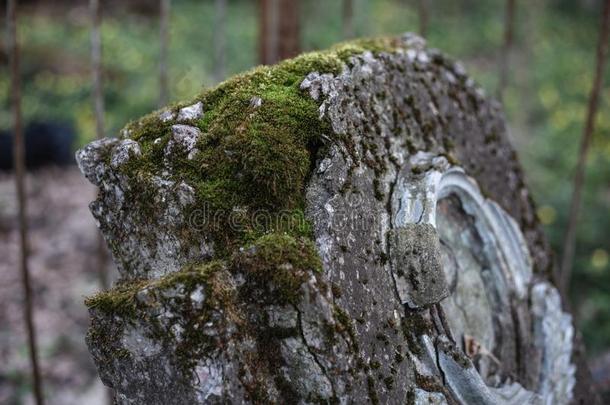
389 382
122 299
457 355
252 157
345 324
119 301
410 398
134 301
107 342
336 290
370 382
413 326
275 266
275 263
398 357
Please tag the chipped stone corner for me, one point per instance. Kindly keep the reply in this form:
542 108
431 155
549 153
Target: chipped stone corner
142 248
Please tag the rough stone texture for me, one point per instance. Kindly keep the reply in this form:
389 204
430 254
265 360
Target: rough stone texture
141 246
191 112
432 284
416 265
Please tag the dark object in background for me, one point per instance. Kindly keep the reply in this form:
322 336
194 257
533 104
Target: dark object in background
46 143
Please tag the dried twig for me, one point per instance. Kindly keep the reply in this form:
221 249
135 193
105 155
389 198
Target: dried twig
474 349
19 162
579 177
440 320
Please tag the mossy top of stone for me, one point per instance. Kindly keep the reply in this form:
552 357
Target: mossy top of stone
259 138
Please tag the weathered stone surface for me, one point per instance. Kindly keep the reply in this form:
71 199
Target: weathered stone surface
416 265
184 137
352 227
191 112
141 245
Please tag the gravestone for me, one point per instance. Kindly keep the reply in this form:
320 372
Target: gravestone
349 226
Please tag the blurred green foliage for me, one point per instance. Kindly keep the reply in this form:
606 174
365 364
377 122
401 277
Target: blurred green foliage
551 72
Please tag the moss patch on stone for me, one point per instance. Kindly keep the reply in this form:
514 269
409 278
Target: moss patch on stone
168 312
260 137
122 299
275 266
272 269
117 301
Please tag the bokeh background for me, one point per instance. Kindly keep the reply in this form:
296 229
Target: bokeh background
551 72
